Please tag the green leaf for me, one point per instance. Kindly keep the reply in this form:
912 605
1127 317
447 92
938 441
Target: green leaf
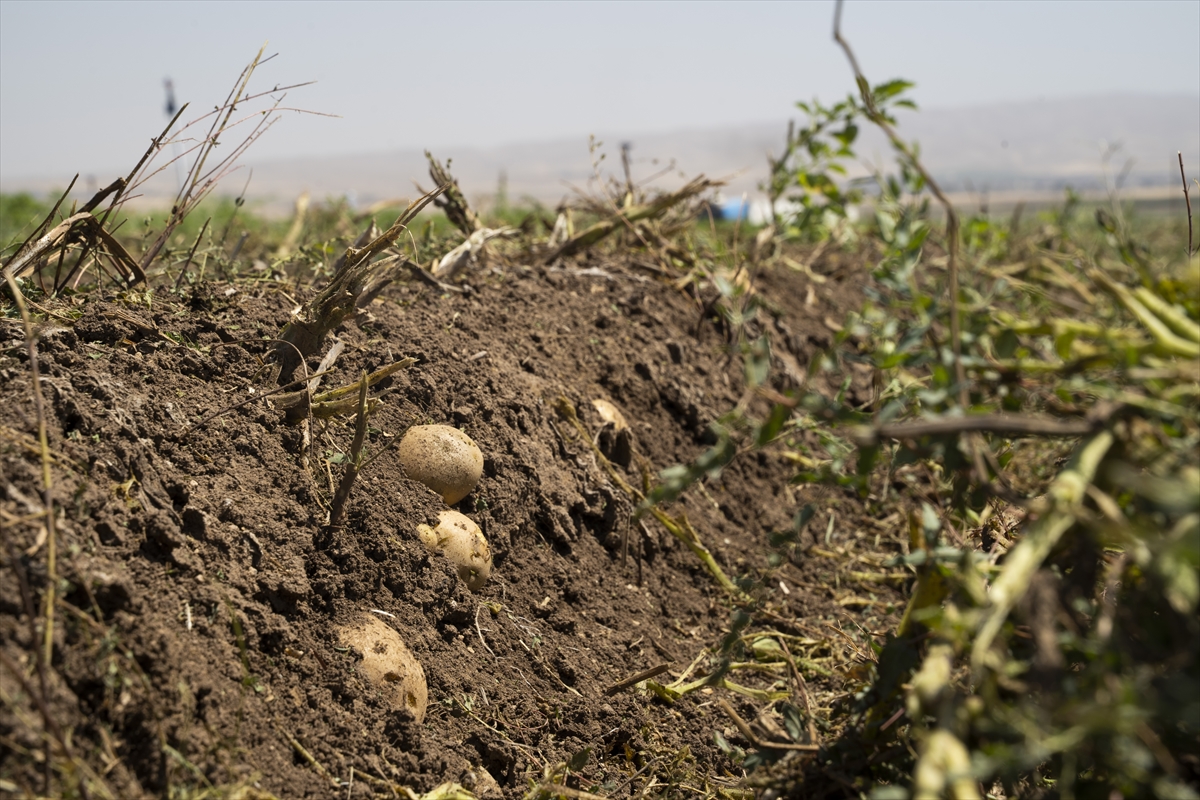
886 91
793 722
1062 344
773 424
1007 343
579 760
931 524
758 361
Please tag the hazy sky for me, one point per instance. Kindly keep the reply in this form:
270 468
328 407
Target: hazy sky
81 82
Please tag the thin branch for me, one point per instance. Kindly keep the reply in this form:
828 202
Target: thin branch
37 232
337 509
47 475
1187 199
188 263
980 423
253 399
873 113
748 734
632 680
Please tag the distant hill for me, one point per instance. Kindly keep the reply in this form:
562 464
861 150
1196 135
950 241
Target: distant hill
1009 148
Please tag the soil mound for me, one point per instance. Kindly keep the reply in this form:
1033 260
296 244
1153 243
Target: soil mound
197 645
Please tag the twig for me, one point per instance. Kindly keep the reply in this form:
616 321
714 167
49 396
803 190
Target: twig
255 398
802 686
307 756
337 508
199 183
644 675
452 202
976 423
873 113
1187 199
191 254
425 276
334 401
128 184
37 232
47 477
479 630
353 286
628 216
749 735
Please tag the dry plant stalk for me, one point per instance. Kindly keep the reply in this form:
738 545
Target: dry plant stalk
199 183
337 509
293 235
355 284
332 403
1187 199
88 233
81 225
630 214
42 655
452 202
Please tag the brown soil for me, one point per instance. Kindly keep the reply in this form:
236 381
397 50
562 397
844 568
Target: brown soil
196 640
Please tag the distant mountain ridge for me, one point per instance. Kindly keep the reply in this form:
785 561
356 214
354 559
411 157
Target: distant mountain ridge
1004 147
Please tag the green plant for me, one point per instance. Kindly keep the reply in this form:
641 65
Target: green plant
1046 466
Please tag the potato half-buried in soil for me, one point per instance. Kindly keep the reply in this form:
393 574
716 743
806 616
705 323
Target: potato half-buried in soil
610 413
443 458
459 539
388 664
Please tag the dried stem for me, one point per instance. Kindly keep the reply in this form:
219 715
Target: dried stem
630 214
47 478
452 201
1065 495
1187 199
46 652
337 509
978 423
191 254
355 283
749 735
632 680
37 232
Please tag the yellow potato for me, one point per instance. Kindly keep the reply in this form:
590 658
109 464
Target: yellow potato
388 664
460 540
610 413
443 458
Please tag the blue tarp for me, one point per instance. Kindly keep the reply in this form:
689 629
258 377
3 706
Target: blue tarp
733 209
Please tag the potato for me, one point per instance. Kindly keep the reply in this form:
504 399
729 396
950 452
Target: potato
615 439
443 458
460 540
610 413
484 785
388 663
